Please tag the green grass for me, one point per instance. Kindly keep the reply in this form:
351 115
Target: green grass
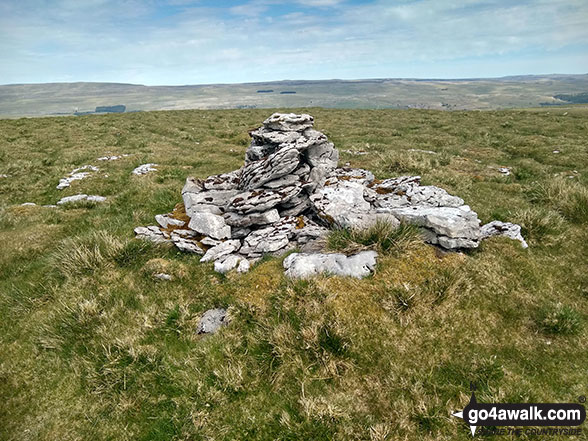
92 346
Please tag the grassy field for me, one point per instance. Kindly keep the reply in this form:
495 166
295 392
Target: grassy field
93 347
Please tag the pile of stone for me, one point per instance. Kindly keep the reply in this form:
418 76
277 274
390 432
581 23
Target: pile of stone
289 193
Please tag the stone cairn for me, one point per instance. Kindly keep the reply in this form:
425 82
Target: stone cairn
290 193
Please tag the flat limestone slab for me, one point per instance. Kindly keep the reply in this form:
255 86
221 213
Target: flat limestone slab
303 265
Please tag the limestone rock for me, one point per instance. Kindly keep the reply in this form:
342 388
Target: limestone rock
187 244
212 320
231 262
80 198
498 228
143 169
210 225
302 265
166 220
286 122
276 165
262 200
240 221
451 222
76 175
221 250
152 233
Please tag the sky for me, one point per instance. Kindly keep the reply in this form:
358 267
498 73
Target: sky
174 42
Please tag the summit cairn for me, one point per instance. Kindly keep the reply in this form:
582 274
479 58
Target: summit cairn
289 193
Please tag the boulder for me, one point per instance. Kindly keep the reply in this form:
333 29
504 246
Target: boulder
212 320
303 265
506 229
210 225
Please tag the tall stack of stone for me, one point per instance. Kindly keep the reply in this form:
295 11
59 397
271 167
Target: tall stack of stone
288 194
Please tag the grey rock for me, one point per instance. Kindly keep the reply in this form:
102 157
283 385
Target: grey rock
76 175
269 239
303 265
79 198
210 225
507 229
225 181
212 320
165 220
322 155
451 222
262 200
210 242
163 276
187 244
151 233
284 181
342 204
286 122
143 169
231 262
221 250
240 221
276 165
212 201
364 177
28 204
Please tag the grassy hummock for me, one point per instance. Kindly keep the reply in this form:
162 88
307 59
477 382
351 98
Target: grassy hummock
93 346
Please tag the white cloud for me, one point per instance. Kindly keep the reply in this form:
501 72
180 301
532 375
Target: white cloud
121 41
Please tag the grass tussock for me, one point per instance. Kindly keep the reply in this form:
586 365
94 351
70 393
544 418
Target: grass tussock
559 319
567 196
83 255
383 237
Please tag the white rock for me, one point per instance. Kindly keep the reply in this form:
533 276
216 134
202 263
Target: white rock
28 204
144 169
163 276
76 175
152 233
230 262
212 320
302 265
79 198
498 228
244 266
211 225
186 244
165 220
240 221
221 250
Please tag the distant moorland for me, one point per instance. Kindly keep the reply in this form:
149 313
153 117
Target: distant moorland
466 94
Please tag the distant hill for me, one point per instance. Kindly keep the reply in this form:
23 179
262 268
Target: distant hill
447 94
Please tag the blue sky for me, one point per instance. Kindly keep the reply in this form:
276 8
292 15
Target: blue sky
172 42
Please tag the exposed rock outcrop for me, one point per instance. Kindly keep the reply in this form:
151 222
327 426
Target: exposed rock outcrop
289 193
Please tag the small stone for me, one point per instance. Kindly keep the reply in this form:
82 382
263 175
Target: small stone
186 244
221 250
212 320
144 169
166 220
28 204
151 233
79 198
163 276
229 263
506 229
